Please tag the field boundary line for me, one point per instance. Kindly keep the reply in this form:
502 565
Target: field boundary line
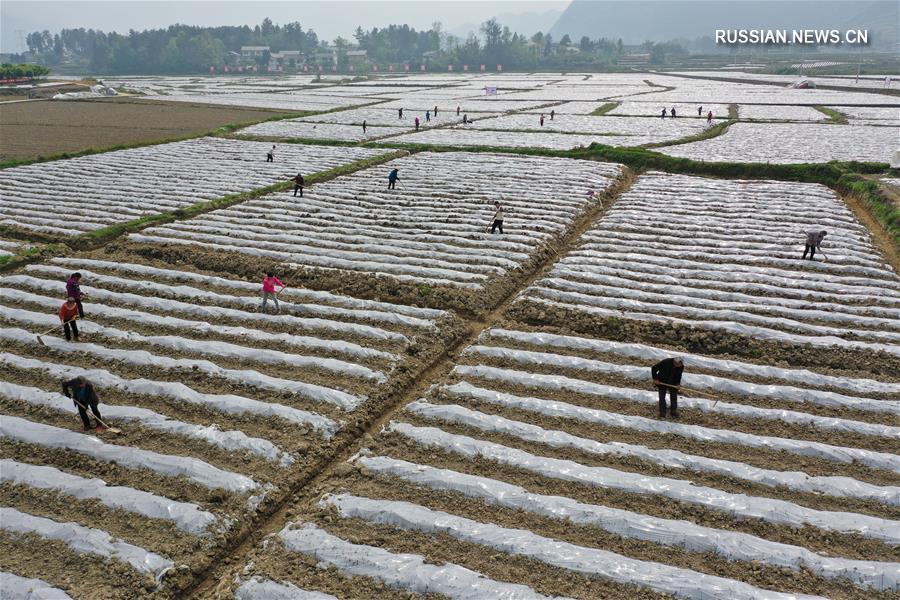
207 585
100 237
217 132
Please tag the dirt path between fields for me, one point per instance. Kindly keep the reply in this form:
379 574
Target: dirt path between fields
211 585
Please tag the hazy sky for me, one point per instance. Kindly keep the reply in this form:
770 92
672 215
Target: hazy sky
328 18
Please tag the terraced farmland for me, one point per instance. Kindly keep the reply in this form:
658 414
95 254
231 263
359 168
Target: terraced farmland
103 189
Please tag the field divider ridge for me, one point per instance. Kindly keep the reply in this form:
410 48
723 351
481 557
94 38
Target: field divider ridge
304 495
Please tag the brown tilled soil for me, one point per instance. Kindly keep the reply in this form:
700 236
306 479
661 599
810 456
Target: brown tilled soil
702 341
832 543
392 488
46 128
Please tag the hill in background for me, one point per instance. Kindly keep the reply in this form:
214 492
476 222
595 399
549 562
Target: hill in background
661 20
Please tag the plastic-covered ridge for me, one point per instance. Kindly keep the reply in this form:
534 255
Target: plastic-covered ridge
131 458
404 571
85 540
683 583
769 509
23 588
186 516
733 545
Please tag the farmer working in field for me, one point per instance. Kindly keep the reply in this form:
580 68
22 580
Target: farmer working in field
82 392
298 184
667 377
73 290
270 155
814 239
268 291
393 178
68 313
498 218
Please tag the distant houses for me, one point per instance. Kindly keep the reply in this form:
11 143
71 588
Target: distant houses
326 57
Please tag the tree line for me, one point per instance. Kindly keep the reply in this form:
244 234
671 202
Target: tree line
182 49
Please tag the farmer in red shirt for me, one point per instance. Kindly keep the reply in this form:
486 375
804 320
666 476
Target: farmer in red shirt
68 313
268 291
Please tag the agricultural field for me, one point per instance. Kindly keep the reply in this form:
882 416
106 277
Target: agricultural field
468 135
870 115
222 407
437 410
535 471
781 143
294 128
429 231
32 129
638 108
643 127
536 467
377 116
729 265
92 192
287 101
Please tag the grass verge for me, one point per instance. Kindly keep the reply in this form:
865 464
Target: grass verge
35 254
604 109
835 116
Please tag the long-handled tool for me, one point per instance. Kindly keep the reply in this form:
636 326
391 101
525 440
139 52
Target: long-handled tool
99 420
823 254
55 328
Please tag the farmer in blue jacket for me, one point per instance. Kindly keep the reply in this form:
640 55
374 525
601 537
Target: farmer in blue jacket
393 177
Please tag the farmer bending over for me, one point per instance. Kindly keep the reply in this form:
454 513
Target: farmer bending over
83 393
667 377
393 178
813 241
268 291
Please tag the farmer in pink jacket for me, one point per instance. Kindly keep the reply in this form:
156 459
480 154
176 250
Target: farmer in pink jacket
268 291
